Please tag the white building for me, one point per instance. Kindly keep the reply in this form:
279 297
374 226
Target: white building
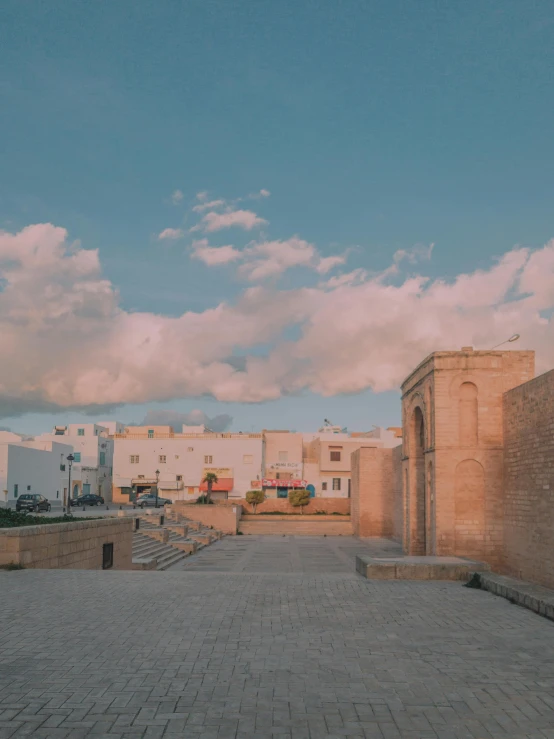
25 468
93 452
182 461
327 457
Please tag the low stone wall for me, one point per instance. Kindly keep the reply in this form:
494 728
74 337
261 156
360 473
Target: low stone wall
296 525
223 518
282 505
76 545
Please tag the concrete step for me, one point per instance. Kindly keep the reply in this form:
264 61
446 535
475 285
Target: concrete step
147 550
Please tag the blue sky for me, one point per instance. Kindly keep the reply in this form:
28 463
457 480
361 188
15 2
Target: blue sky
375 126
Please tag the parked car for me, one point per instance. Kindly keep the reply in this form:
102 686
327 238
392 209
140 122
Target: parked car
88 499
149 501
32 502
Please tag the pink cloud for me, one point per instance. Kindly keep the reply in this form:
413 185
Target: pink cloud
214 256
245 219
81 347
171 234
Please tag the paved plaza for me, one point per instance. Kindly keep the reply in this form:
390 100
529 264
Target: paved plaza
260 637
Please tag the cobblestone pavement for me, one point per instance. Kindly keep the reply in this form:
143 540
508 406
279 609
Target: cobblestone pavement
251 649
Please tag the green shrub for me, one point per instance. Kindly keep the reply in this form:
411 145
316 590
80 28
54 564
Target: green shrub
12 519
204 500
299 497
12 566
255 497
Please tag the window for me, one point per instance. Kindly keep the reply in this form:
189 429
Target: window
190 449
62 467
179 478
134 458
208 459
247 458
102 459
176 456
15 491
324 486
150 433
336 483
162 459
28 487
283 456
335 456
80 432
57 493
77 456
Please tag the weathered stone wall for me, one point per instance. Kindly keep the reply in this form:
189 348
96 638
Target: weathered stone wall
282 505
529 481
222 518
397 497
373 492
452 407
296 525
76 545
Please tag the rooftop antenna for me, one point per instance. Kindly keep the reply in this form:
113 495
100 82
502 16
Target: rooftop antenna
515 337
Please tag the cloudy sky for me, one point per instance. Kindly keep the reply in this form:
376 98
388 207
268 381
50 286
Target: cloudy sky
264 214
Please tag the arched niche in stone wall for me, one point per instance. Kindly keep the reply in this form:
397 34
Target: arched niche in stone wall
468 414
469 508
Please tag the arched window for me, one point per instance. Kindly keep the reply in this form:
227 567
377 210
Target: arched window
468 414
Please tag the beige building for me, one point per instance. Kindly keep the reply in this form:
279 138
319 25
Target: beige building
328 457
283 467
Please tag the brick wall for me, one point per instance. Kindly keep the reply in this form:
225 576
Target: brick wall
373 492
529 481
76 545
397 495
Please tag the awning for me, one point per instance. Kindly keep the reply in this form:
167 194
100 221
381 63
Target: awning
223 485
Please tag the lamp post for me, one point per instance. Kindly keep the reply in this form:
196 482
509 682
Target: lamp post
515 337
157 478
70 458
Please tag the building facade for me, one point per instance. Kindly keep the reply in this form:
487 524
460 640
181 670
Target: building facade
92 448
178 462
25 468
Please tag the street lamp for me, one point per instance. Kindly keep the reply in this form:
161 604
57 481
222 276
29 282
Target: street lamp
157 478
515 337
70 458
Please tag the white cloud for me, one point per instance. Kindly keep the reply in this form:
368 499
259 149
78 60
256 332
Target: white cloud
202 195
171 234
214 255
272 258
206 206
245 219
176 197
71 344
326 264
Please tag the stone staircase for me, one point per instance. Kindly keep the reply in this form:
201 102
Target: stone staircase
158 546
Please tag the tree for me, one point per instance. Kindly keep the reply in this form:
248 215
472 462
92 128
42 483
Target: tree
254 497
210 479
299 497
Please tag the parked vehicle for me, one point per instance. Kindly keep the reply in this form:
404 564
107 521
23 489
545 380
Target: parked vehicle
149 501
88 499
32 502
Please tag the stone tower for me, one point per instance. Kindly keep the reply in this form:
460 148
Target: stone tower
453 451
